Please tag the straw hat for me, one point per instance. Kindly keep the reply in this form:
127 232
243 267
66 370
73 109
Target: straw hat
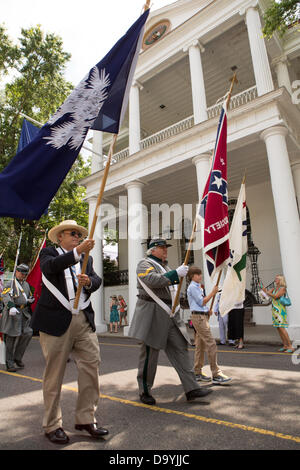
65 225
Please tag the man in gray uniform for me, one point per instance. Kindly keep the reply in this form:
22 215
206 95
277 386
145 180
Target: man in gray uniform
154 324
16 318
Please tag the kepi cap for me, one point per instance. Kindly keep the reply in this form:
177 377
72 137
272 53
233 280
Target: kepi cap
158 242
23 268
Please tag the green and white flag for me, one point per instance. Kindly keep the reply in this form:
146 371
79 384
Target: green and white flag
233 290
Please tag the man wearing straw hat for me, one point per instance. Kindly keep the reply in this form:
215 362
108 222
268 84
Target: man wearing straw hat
154 324
64 329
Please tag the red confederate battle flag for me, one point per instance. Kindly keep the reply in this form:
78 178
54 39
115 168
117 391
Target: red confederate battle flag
214 204
34 278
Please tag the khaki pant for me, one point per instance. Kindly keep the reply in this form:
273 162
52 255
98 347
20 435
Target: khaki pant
83 343
204 341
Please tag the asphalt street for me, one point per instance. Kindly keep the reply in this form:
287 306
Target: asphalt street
258 410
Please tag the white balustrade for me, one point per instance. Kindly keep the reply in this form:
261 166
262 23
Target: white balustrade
236 101
212 112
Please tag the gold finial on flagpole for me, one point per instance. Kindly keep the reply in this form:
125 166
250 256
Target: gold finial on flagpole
233 80
147 5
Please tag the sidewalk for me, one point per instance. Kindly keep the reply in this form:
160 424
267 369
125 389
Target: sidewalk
258 334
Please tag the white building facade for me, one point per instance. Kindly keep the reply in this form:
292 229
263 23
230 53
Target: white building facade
162 155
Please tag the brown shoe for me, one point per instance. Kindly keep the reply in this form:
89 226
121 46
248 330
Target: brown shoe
58 436
92 429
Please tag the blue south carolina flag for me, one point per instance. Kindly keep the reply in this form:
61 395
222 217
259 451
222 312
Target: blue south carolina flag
28 133
32 178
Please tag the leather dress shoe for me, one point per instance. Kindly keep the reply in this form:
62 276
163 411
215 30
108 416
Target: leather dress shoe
198 392
20 364
92 429
147 399
58 436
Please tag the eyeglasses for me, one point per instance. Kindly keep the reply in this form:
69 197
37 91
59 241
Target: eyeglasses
74 233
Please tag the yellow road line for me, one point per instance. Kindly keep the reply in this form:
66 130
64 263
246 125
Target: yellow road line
219 422
193 349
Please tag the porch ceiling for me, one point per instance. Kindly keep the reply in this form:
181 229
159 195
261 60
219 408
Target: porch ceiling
166 98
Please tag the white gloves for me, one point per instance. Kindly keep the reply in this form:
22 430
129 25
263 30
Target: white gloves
182 270
13 311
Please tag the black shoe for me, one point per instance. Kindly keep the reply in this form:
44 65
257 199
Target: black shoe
20 364
92 429
147 399
58 436
198 392
11 368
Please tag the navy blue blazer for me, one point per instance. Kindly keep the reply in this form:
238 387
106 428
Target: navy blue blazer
49 315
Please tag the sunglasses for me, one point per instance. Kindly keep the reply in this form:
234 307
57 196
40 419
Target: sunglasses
74 233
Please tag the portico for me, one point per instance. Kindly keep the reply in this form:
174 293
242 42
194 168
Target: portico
163 153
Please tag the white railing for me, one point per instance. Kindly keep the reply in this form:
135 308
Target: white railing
236 101
177 128
122 155
213 111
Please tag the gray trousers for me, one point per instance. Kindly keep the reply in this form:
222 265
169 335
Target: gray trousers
15 347
177 353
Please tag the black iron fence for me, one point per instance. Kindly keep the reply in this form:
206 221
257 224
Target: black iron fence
116 278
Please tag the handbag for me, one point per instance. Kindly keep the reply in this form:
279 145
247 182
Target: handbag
285 300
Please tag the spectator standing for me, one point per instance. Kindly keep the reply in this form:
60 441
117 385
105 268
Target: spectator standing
114 315
122 310
222 320
236 325
279 313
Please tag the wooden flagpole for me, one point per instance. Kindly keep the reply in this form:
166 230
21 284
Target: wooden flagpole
147 5
187 256
93 226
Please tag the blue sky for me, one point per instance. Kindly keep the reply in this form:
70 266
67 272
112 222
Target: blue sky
88 29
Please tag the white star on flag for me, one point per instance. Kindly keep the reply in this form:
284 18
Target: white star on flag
218 182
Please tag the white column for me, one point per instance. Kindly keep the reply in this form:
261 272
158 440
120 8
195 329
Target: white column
203 164
197 81
296 177
261 66
134 118
287 217
97 157
282 72
97 297
136 251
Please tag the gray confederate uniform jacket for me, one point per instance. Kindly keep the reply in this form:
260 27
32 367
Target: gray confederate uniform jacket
151 323
16 325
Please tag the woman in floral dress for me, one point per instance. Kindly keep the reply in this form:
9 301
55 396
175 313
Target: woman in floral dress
279 314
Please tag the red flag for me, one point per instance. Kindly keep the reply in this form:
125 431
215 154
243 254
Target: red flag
34 278
214 204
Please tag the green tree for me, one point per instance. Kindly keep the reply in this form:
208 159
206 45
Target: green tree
37 88
279 16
